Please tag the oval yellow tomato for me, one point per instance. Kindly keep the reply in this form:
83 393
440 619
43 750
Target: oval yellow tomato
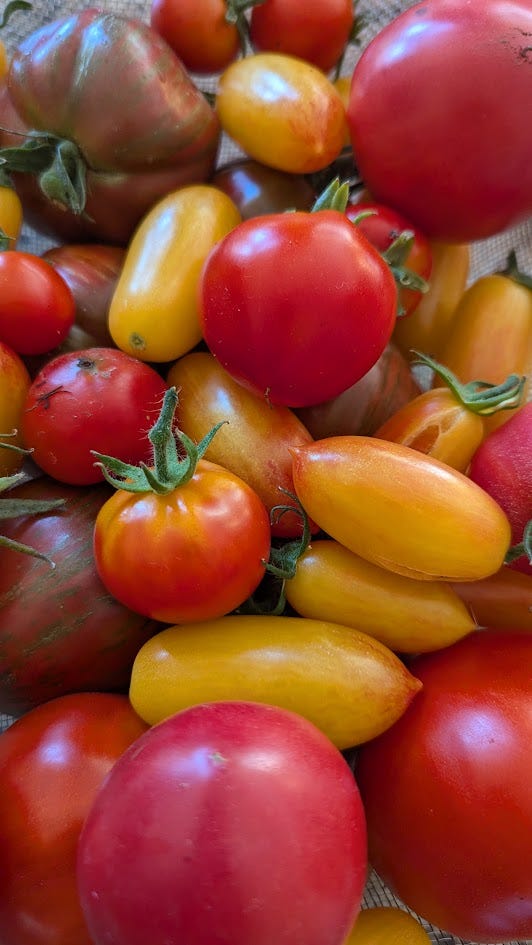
386 925
281 111
11 215
348 684
409 616
15 382
153 313
400 509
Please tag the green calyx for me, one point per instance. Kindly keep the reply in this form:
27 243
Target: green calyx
169 469
334 197
236 15
523 547
57 164
478 396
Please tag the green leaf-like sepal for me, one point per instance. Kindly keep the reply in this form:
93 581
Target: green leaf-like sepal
479 396
523 547
334 197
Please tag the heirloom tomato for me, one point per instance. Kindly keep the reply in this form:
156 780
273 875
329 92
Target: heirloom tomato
233 823
37 307
297 306
185 539
281 111
257 189
400 509
53 762
447 791
430 137
348 684
153 313
100 166
14 385
198 31
317 31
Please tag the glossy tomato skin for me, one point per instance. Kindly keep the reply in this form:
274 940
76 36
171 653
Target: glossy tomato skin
457 764
53 761
14 385
293 874
502 601
317 32
198 32
71 634
257 189
95 399
37 308
428 77
195 553
297 306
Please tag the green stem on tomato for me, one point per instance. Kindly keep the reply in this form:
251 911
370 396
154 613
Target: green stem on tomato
478 396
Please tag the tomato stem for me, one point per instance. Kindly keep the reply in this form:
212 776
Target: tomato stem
478 396
513 271
15 508
523 547
334 197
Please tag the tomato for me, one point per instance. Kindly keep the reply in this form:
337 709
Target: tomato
387 925
297 306
10 212
14 385
71 635
318 32
382 227
255 439
349 685
502 465
53 761
100 165
4 63
153 312
198 32
409 616
400 509
430 137
457 765
187 540
256 831
281 111
98 398
257 189
502 601
36 305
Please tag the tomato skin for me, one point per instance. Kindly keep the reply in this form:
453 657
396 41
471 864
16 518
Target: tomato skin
457 764
331 583
14 385
10 208
317 33
281 111
387 925
255 440
95 399
294 874
192 554
258 190
297 306
428 77
36 305
153 314
72 636
400 509
198 32
346 683
502 601
53 761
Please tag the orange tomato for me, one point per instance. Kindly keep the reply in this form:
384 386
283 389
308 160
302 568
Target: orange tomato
386 925
14 384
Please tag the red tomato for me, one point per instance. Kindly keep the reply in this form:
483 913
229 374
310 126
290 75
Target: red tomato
436 116
502 465
447 790
198 32
233 823
297 306
98 398
53 761
317 30
36 305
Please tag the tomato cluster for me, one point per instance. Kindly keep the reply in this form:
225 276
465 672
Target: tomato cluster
265 477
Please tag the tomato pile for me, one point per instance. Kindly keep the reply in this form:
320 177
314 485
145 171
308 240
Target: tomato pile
265 475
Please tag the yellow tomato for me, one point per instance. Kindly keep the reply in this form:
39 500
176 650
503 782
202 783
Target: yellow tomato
409 616
343 86
348 684
14 385
281 111
4 63
10 215
386 925
153 313
400 509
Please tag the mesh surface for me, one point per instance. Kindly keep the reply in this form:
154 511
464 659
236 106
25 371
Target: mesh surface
487 256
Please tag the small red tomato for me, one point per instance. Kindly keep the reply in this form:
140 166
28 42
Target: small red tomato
37 308
198 32
315 30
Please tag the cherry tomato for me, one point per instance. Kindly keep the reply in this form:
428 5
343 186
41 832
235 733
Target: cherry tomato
387 925
198 31
317 31
502 601
14 385
257 189
53 762
231 822
297 306
447 790
281 111
98 398
36 305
